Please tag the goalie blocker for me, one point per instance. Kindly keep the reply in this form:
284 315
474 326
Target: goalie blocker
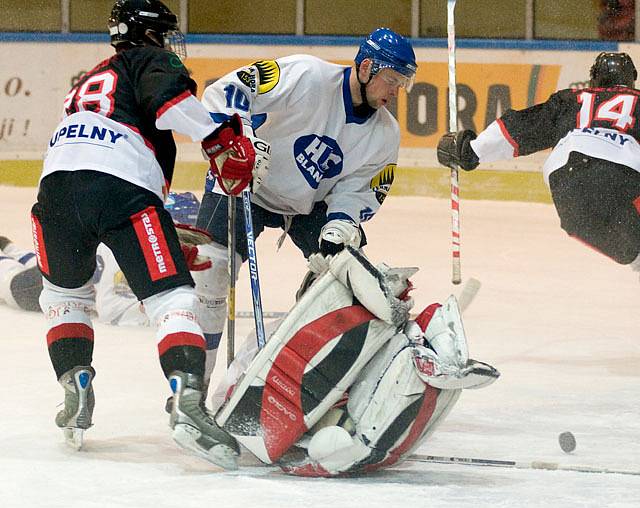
347 384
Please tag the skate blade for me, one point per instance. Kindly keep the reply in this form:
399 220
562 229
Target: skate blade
221 455
73 438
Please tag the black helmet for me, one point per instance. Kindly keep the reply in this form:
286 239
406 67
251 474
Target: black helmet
612 69
140 22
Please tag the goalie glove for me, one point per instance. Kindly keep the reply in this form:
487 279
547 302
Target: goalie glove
190 237
231 155
454 149
336 234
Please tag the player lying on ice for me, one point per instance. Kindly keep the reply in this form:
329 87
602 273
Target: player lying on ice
347 383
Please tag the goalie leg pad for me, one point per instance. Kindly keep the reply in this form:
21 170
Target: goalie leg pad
311 360
377 288
392 410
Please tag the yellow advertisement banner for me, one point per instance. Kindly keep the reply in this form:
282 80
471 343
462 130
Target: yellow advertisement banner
485 91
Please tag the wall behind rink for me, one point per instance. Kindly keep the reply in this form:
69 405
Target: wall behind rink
35 77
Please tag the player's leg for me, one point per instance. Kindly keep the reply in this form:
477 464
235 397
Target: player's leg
144 241
66 257
212 284
597 202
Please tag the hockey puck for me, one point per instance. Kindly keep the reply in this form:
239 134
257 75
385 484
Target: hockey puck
567 442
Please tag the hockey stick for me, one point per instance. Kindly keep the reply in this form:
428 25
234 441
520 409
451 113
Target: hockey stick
549 466
465 298
456 276
249 314
231 271
253 269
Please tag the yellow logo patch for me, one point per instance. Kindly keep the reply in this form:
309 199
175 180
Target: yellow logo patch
268 73
381 183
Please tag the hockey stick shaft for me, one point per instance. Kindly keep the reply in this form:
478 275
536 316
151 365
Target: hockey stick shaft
253 269
456 276
231 271
549 466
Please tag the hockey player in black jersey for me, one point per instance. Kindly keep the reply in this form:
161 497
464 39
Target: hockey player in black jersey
108 167
593 170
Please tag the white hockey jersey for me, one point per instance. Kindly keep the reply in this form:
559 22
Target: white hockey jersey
320 151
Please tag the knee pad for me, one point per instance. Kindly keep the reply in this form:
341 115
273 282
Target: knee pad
214 281
211 287
162 306
68 306
56 300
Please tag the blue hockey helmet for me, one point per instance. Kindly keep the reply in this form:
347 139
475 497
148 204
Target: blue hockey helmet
388 50
183 207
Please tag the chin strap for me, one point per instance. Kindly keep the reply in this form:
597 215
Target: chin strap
363 110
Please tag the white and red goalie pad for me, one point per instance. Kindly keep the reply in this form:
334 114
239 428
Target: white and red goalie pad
398 400
312 359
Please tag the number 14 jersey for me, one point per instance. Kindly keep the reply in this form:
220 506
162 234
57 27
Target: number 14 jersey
599 122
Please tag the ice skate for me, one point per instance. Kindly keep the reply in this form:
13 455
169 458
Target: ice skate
193 427
79 401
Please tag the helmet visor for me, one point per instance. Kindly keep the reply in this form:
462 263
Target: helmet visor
174 41
393 78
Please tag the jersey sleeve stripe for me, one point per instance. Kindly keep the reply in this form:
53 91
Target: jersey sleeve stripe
172 102
507 136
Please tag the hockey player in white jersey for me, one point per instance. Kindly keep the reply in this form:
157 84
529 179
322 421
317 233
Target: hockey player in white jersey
332 143
593 170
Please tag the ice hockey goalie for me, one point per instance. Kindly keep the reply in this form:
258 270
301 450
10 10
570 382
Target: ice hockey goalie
347 383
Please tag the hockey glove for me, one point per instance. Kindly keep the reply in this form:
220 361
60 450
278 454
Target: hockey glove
263 157
231 154
190 237
454 149
336 234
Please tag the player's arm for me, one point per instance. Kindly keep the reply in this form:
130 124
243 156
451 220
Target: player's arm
166 92
516 133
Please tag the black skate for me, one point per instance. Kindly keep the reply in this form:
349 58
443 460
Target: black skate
194 428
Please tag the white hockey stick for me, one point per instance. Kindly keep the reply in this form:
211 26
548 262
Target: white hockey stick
549 466
456 276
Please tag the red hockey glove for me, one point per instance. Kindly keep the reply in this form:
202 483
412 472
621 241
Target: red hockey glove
195 262
231 155
190 237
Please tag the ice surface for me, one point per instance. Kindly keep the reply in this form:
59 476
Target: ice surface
559 321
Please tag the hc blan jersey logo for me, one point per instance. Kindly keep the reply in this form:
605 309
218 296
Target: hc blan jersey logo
317 157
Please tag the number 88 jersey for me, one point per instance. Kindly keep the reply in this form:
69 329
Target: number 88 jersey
116 119
599 122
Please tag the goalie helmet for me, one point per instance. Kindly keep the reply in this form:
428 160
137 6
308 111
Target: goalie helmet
183 207
388 49
140 22
610 69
